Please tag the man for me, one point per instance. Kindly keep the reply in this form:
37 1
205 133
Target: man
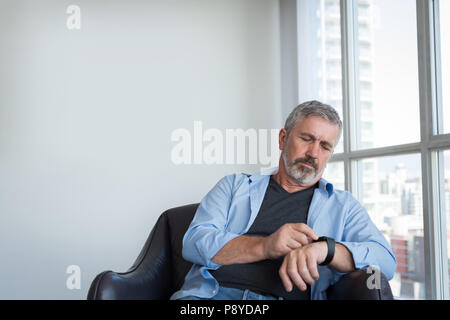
257 236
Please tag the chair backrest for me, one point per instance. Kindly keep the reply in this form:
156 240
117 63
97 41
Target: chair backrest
161 260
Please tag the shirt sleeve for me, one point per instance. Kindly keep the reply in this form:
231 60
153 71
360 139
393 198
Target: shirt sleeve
206 234
366 243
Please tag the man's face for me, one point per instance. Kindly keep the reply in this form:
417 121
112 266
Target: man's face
308 147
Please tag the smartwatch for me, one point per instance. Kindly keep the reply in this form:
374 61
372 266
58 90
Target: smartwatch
331 244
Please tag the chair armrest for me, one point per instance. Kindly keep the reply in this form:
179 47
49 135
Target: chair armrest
353 286
110 285
148 278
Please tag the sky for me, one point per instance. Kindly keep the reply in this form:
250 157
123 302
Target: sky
395 73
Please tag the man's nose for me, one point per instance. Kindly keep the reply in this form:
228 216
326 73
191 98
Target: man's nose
313 150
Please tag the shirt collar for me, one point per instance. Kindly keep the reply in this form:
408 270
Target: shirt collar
323 184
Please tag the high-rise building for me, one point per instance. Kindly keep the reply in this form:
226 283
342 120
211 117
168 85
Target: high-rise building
320 74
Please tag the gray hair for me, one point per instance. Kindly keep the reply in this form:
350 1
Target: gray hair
310 109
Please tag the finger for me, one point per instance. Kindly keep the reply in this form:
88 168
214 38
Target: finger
292 271
287 283
301 238
303 270
312 266
293 244
304 228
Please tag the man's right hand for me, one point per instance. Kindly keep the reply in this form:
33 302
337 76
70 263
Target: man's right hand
290 236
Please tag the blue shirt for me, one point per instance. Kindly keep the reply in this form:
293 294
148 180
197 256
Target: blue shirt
230 208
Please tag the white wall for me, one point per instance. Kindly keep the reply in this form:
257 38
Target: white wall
86 118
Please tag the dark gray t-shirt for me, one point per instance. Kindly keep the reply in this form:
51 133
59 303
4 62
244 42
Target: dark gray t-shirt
278 208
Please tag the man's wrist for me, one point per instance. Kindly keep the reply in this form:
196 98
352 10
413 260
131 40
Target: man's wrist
260 248
323 249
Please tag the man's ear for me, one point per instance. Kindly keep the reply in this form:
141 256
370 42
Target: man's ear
282 139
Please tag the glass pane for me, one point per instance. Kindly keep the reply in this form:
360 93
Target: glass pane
444 7
388 73
334 173
447 206
319 54
391 191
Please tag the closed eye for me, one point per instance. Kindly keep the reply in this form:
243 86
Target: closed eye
308 138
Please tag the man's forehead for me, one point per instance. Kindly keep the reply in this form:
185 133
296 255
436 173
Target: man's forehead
316 123
319 128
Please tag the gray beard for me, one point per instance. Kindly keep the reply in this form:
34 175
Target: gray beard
303 177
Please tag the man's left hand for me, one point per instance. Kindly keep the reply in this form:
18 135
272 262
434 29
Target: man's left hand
300 265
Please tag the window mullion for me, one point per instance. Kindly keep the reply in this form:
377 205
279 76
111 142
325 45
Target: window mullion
349 89
439 185
427 89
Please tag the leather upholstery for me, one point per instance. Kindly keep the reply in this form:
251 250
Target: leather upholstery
159 270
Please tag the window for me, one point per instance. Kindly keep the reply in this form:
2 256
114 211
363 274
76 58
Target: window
391 192
386 53
385 66
334 173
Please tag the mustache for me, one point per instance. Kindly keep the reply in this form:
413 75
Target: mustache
308 160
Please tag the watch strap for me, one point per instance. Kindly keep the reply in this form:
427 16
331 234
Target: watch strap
331 248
